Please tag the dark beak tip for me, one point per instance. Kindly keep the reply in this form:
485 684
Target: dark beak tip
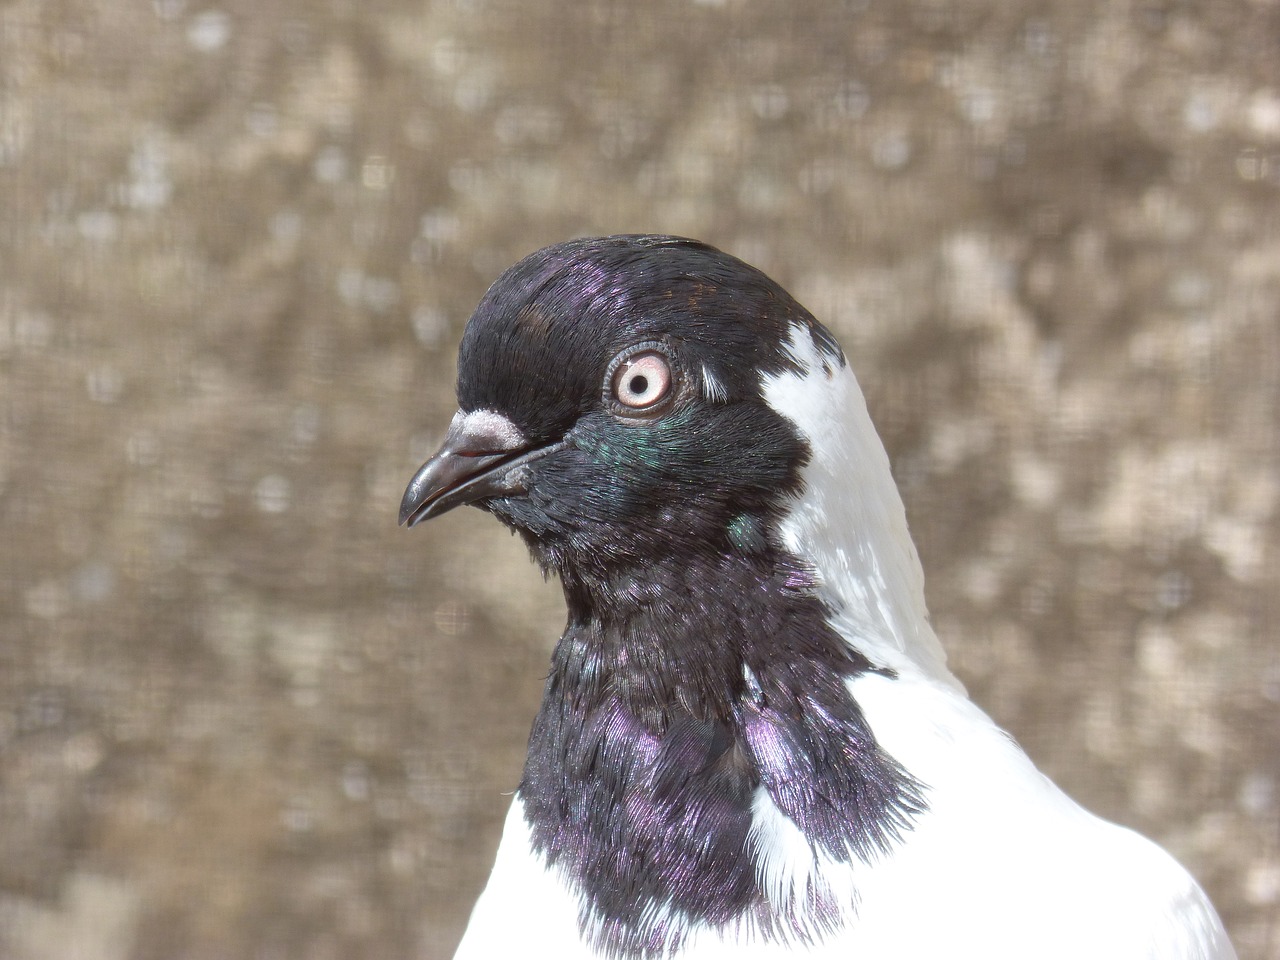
417 497
411 516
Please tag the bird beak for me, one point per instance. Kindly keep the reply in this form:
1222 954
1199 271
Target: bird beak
484 455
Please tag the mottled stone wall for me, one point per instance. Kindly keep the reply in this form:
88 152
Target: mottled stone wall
242 715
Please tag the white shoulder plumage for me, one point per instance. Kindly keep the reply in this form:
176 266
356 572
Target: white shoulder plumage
850 522
1030 876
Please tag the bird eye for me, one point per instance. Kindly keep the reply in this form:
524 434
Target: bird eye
640 381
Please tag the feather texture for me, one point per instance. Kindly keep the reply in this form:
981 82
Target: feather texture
749 744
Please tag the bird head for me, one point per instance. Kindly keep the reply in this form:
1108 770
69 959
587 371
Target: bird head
630 401
612 406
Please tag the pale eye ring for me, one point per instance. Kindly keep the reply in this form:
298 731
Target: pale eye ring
641 381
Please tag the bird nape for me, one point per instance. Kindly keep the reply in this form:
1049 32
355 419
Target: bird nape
749 743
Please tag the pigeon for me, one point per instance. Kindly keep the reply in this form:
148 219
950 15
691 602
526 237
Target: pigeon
749 743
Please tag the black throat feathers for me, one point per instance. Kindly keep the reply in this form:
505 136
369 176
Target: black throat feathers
681 695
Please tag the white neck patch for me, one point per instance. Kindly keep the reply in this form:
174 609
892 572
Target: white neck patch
849 522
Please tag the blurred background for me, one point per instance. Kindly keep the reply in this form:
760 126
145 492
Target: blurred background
242 715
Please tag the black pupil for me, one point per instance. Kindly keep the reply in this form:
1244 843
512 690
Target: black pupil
639 384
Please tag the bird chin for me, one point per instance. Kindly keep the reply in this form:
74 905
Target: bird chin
521 517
